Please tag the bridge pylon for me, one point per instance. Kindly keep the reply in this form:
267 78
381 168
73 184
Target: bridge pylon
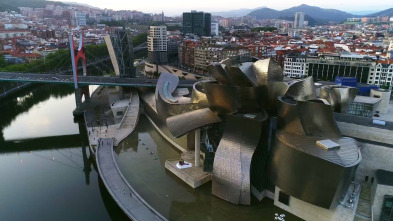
76 56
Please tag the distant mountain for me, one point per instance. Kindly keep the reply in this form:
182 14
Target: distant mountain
363 12
13 5
235 13
266 13
320 15
79 4
387 12
311 21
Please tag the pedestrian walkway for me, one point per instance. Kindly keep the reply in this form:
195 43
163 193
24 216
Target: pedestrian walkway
124 195
120 130
363 211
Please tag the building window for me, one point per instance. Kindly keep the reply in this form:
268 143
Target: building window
387 208
283 198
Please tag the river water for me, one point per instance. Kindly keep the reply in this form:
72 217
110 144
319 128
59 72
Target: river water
46 169
48 173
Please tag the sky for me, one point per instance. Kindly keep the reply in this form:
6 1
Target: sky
176 7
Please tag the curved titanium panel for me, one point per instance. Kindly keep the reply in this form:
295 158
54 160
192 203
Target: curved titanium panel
267 71
231 167
184 123
275 89
181 92
169 103
302 90
166 85
221 98
217 70
248 99
243 75
227 99
312 174
198 95
288 116
339 97
317 119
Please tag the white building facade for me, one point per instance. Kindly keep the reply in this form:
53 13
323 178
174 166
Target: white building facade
157 45
80 18
295 67
214 29
381 74
299 20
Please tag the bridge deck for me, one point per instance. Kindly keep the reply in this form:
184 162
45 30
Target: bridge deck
84 80
125 196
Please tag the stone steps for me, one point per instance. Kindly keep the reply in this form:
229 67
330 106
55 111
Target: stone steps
363 211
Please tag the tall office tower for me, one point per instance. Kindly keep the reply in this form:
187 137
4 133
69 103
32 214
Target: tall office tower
121 51
80 18
299 20
198 23
157 45
390 49
214 29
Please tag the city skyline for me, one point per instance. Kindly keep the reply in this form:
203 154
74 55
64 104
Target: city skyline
176 7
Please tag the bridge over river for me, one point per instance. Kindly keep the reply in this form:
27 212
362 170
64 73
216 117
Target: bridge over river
84 80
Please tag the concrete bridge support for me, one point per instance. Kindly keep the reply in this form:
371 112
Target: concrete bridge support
76 55
80 107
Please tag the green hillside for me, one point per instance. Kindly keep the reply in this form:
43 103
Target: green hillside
14 4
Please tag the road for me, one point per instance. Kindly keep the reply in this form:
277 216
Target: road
84 80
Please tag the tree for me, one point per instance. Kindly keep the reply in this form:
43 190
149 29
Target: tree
3 62
139 39
258 29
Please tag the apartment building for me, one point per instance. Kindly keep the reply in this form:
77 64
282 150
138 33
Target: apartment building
327 67
381 74
157 45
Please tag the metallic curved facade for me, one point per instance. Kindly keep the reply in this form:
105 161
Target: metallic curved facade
267 71
299 166
184 123
227 99
198 95
302 90
243 98
169 103
232 162
317 176
217 70
338 97
243 75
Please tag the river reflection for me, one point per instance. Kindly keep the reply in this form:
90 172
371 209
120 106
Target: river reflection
47 171
141 159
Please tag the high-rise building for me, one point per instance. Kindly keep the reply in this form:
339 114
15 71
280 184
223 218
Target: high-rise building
157 45
214 29
328 67
299 20
198 23
390 49
80 18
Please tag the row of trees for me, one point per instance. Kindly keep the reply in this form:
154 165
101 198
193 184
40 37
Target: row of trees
258 29
60 60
